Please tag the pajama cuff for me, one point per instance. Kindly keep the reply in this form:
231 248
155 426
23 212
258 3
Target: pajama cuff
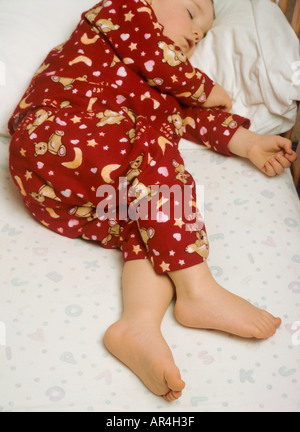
226 127
209 84
161 265
171 265
162 261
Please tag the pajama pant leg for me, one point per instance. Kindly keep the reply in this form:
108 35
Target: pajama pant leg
59 165
164 206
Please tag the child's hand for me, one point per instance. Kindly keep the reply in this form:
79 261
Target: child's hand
218 98
272 154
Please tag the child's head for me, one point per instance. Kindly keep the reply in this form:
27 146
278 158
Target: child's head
185 22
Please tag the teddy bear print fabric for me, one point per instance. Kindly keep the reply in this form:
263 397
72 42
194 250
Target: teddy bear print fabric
94 149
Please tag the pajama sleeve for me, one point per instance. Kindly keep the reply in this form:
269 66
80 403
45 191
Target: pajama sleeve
136 37
212 127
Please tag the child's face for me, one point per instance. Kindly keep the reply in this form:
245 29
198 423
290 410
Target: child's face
185 22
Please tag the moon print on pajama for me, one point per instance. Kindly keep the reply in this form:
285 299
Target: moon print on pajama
112 103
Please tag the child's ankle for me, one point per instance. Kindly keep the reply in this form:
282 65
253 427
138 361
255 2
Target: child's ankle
189 279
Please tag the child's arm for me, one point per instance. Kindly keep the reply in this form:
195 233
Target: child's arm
228 134
137 38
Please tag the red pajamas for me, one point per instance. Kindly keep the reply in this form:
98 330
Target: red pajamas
99 126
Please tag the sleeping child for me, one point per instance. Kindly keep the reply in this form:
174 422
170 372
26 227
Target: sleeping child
107 109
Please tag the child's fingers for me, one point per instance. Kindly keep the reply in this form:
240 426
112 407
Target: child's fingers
273 167
280 160
277 167
228 105
283 160
269 170
286 144
291 157
226 108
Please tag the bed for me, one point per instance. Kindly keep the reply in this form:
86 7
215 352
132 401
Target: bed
58 296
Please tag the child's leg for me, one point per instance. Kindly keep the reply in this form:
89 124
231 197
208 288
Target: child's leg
136 338
179 251
203 303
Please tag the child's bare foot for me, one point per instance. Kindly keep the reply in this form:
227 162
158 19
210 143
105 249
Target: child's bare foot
205 304
142 348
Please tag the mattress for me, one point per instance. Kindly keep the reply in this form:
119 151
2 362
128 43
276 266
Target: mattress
58 296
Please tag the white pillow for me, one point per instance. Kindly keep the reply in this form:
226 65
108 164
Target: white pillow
30 28
250 51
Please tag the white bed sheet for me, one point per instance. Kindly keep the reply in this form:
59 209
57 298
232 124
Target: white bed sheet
58 296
